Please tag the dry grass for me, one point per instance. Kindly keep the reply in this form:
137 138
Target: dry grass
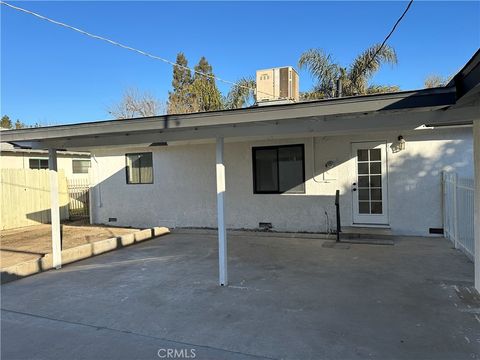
32 242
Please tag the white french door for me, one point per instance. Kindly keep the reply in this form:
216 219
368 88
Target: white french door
369 187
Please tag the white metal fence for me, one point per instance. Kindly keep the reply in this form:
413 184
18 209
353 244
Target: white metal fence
458 205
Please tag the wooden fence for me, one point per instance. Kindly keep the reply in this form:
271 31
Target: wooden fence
25 197
78 192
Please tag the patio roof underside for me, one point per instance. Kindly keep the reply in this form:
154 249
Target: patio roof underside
341 116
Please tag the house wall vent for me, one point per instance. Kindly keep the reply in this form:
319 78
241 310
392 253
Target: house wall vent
277 85
266 226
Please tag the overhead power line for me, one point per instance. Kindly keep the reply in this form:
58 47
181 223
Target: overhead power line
389 34
123 46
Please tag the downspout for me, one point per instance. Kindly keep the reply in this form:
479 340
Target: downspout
313 162
96 184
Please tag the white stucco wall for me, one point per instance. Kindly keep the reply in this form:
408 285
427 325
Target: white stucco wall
20 160
183 193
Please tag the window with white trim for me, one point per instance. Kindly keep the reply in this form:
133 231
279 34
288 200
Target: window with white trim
80 166
38 164
139 167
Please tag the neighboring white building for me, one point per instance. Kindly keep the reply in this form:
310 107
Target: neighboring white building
74 164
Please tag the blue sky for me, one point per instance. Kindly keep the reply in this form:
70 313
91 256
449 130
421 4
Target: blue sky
52 75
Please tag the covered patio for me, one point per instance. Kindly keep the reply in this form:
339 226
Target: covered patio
456 104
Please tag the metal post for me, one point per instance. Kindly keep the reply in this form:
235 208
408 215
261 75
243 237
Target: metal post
337 206
55 209
222 234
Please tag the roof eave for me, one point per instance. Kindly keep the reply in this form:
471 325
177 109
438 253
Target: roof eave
419 100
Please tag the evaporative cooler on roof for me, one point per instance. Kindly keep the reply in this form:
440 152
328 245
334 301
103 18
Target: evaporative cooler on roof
277 84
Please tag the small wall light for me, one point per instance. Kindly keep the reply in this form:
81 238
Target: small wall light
398 145
329 164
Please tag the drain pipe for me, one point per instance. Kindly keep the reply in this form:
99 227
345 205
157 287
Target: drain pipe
313 162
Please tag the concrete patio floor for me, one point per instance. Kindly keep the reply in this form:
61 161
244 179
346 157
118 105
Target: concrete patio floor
289 298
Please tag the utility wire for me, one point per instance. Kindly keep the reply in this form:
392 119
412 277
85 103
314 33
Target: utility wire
386 38
141 52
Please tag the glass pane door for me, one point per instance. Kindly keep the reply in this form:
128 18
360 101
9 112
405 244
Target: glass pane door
369 172
370 182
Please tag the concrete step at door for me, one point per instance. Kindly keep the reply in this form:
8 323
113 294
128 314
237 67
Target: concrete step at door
367 235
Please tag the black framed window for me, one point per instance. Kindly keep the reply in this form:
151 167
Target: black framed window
139 168
38 164
279 169
80 166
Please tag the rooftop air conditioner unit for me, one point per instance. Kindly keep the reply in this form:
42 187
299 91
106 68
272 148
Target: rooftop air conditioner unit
277 85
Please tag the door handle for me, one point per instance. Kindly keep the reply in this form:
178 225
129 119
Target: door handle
354 189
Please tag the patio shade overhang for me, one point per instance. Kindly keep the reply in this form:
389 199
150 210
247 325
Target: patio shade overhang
338 116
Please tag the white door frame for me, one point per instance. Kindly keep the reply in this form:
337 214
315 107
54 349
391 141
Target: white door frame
369 218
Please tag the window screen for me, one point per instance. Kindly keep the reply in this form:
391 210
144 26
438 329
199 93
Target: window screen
38 164
278 169
139 168
80 166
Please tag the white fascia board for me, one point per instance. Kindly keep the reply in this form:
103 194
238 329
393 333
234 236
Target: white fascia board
331 107
325 125
61 153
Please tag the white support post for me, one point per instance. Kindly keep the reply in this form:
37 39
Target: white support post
476 218
55 209
455 214
91 182
222 233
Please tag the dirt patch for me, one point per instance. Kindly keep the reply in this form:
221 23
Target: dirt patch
32 242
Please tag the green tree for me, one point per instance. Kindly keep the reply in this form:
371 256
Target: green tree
432 81
19 125
242 94
378 89
355 78
6 123
206 95
180 100
311 95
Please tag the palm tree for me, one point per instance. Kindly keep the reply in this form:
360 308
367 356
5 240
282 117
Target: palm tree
242 94
354 79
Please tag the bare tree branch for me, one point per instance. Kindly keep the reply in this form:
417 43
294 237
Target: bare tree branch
137 104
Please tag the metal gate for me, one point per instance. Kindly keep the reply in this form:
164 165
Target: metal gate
458 204
79 198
